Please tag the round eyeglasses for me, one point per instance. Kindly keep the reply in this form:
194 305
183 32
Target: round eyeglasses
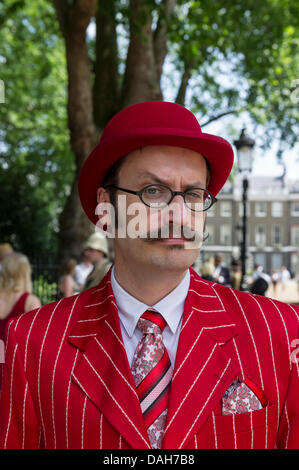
158 196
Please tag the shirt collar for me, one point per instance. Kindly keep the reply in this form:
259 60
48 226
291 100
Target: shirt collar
170 307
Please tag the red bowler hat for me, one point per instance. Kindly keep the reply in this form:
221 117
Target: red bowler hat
151 123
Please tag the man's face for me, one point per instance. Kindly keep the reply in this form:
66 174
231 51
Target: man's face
180 169
92 255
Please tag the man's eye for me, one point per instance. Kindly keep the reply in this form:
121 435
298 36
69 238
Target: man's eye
153 191
195 195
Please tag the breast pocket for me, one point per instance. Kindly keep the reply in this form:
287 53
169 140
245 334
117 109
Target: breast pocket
252 430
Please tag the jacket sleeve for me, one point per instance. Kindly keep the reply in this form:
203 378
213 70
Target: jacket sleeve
288 432
19 426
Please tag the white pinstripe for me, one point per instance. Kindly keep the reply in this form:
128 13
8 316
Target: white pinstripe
272 354
198 336
101 431
214 428
99 303
117 369
190 389
10 393
55 365
120 442
202 295
27 339
118 339
101 288
294 311
186 321
67 401
239 359
234 430
219 298
93 319
39 369
285 329
83 422
252 339
24 411
287 419
83 336
220 378
266 436
195 442
113 398
251 427
208 311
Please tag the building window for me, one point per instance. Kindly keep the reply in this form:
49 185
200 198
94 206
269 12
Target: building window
260 235
241 209
276 235
260 209
295 235
225 234
210 230
277 208
276 261
295 208
225 209
260 259
211 212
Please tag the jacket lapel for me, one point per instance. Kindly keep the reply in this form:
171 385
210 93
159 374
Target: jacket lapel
103 372
203 369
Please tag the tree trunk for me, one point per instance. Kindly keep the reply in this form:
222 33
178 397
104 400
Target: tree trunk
73 20
91 105
141 82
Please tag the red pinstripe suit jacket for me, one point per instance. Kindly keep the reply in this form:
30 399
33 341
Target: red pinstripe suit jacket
67 381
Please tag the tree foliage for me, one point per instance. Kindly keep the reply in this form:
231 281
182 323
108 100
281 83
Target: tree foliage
36 164
77 68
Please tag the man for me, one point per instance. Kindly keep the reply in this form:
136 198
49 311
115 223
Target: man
260 280
221 273
96 249
154 356
82 270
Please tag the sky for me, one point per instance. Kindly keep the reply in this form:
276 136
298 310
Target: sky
265 162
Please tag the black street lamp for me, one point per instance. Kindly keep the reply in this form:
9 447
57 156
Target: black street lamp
244 146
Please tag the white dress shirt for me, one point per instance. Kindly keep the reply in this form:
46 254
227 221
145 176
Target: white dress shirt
170 307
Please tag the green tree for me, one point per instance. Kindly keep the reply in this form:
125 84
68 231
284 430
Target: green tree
36 163
221 58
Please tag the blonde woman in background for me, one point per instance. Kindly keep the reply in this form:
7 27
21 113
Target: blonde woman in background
15 290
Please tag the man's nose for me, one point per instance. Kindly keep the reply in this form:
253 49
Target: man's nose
178 212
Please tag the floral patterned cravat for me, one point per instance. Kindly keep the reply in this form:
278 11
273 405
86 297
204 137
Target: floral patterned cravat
152 372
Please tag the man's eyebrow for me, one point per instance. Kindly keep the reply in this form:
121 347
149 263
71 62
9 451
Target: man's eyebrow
152 176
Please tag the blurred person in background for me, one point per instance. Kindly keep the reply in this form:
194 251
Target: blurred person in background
236 274
260 281
96 249
275 278
5 250
207 270
67 283
82 270
285 276
221 273
15 290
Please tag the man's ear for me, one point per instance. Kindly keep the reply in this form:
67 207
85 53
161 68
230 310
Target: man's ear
105 211
102 195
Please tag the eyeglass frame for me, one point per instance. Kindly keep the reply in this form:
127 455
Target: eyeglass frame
173 194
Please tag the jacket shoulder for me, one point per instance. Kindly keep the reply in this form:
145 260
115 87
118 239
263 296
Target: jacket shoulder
265 309
36 322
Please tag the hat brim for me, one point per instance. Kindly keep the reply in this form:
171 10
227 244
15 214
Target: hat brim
216 150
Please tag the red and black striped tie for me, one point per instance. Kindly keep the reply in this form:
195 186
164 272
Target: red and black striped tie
152 373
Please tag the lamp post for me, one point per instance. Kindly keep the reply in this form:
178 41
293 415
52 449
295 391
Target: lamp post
244 146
